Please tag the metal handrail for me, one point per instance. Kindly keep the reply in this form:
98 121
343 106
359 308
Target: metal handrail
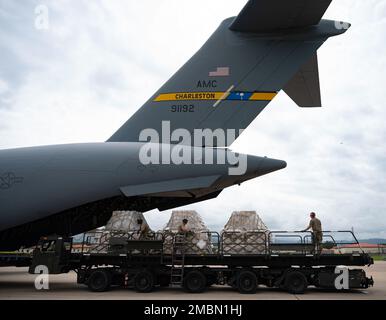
216 241
345 243
211 244
152 235
289 234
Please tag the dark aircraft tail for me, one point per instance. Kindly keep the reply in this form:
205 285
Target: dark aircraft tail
270 46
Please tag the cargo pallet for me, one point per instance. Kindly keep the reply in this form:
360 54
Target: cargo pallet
144 264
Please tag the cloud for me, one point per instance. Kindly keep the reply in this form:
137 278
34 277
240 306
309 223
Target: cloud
3 87
100 61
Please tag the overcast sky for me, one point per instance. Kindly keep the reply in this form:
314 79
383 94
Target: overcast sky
99 61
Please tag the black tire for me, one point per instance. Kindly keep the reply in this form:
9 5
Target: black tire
144 282
295 282
247 282
195 282
99 280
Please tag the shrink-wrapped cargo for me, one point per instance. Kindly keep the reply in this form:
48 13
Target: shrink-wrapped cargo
122 226
125 221
244 233
197 241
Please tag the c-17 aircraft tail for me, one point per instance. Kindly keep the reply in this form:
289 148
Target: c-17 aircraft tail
69 189
270 46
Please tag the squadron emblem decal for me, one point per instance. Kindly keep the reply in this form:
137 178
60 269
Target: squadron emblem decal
8 179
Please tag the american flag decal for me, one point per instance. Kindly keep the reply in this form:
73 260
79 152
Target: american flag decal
220 72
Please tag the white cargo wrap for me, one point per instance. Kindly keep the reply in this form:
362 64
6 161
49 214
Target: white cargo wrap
245 233
122 224
125 221
198 242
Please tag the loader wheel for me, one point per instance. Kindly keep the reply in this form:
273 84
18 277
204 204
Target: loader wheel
144 282
195 282
99 281
295 282
247 282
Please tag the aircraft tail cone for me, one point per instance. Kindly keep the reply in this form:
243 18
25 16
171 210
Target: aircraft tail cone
271 165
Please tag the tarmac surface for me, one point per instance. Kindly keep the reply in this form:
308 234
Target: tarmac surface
17 284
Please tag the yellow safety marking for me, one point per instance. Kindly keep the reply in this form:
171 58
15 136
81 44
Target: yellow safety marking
189 96
265 96
217 96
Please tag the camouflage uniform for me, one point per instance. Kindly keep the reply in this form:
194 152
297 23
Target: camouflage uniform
317 234
143 231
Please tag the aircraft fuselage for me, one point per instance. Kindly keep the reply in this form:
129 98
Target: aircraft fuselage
40 182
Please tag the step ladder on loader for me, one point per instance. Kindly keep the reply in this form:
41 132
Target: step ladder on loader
178 260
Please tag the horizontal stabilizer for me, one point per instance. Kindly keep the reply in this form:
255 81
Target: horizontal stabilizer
169 186
304 87
273 15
